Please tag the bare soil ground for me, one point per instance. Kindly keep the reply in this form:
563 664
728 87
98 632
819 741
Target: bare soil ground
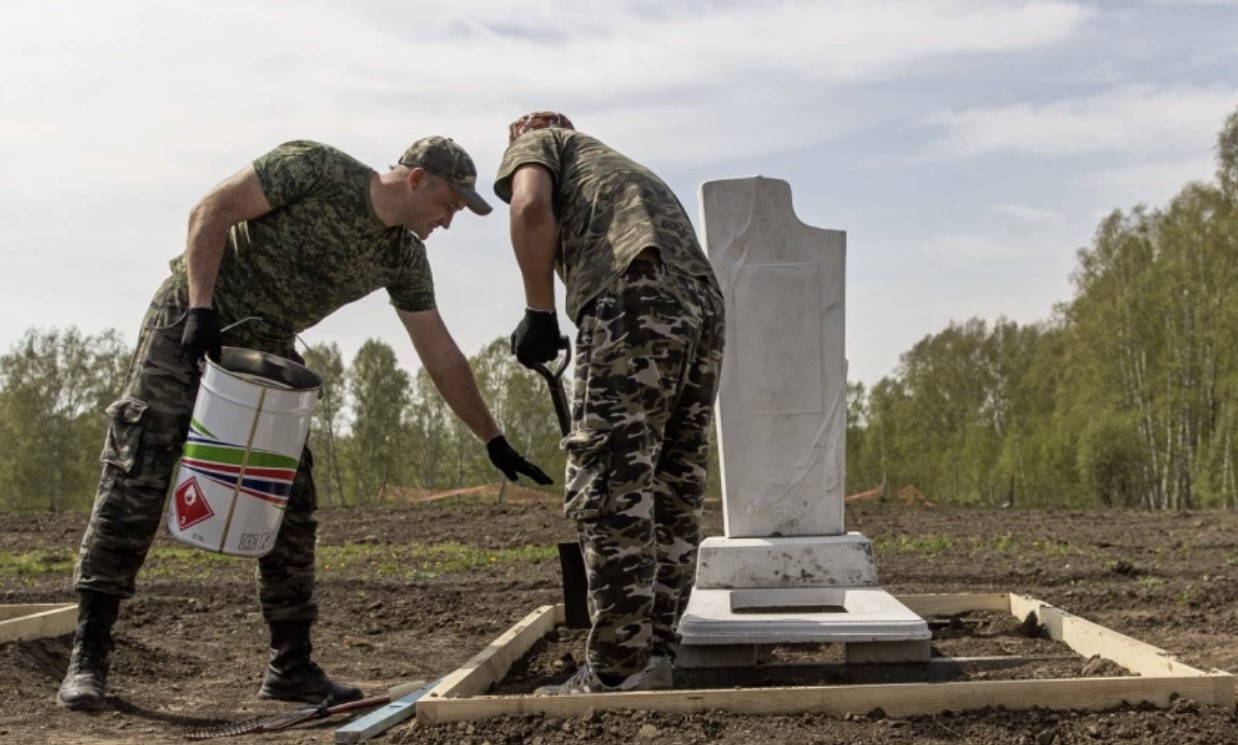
413 590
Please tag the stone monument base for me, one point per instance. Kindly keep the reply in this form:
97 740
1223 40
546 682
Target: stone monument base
754 592
799 561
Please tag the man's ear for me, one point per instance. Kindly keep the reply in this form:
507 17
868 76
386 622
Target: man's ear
416 177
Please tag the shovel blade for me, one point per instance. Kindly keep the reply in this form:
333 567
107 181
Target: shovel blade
575 586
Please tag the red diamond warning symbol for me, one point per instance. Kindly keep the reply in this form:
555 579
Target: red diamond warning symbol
190 504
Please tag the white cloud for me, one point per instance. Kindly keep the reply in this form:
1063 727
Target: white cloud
974 251
1200 3
152 77
1030 214
1130 119
1152 182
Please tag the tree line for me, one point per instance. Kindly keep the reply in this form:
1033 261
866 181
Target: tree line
1126 396
376 426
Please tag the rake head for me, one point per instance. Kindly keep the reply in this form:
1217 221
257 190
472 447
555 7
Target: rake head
259 724
283 720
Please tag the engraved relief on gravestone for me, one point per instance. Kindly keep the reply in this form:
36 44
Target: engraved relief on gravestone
782 416
772 359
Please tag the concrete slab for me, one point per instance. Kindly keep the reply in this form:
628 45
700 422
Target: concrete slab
798 615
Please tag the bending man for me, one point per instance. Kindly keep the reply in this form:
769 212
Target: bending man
302 231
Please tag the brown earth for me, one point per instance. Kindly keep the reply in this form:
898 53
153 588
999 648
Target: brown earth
191 644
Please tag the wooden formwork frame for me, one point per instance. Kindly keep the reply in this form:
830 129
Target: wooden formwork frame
1157 677
36 621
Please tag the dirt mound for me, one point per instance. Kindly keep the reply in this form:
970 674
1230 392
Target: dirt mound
910 495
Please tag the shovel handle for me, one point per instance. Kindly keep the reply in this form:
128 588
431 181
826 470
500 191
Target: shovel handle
553 377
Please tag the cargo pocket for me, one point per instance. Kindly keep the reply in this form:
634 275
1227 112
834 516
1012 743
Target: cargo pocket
588 475
124 433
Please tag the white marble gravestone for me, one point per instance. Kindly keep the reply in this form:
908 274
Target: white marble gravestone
786 570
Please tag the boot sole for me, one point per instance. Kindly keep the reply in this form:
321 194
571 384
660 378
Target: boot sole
272 696
82 704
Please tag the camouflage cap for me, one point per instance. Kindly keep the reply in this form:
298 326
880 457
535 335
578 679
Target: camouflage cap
447 160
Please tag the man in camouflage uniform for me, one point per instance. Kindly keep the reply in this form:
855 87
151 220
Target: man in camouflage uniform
648 352
271 251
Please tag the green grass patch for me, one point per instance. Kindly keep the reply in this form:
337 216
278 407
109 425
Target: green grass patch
1149 583
914 544
36 562
425 560
172 561
1055 548
360 559
1002 544
401 562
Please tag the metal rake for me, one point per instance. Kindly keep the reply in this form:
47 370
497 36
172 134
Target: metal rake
284 720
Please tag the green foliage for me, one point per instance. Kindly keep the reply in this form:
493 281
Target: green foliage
403 433
381 391
326 360
433 433
54 387
1128 396
1110 460
520 401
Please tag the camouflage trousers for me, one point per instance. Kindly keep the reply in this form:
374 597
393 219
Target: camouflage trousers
648 356
146 433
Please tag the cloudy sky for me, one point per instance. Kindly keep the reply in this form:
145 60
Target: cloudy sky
968 147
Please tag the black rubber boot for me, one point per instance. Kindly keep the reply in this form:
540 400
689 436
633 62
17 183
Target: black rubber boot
86 681
293 676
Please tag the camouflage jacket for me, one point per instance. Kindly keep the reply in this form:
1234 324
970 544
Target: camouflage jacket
609 209
320 247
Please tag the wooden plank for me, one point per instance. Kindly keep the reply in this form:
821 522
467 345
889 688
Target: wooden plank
492 663
54 620
896 700
29 609
955 603
382 719
455 698
840 673
1089 639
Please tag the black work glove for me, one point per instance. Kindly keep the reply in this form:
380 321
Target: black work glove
536 340
202 335
510 463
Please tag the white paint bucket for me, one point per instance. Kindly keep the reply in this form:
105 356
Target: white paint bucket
249 426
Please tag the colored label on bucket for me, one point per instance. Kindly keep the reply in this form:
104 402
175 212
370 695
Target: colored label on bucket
191 505
267 476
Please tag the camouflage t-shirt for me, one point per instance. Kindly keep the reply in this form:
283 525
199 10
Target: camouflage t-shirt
609 209
320 247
